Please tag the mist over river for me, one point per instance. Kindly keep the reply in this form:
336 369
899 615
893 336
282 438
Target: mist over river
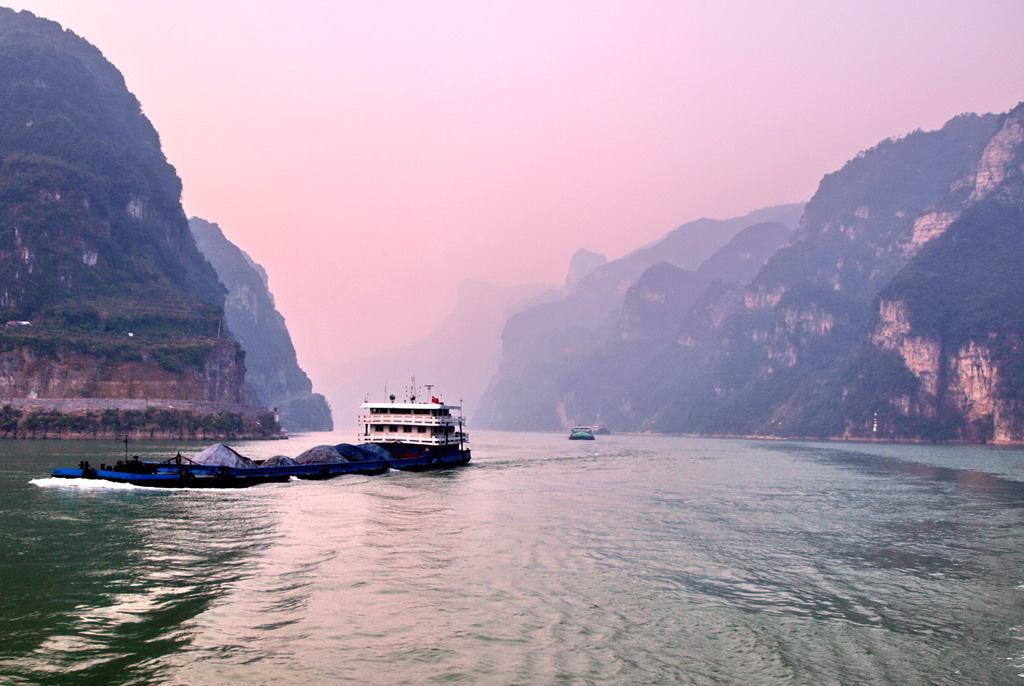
625 560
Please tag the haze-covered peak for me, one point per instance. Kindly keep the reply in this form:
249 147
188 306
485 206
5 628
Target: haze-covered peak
582 264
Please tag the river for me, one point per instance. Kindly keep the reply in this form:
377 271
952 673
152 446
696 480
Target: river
626 560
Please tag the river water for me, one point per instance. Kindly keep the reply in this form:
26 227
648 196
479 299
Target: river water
626 560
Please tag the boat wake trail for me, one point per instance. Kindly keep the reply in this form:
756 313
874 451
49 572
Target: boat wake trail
51 482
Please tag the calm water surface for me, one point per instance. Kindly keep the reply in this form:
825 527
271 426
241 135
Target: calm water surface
626 560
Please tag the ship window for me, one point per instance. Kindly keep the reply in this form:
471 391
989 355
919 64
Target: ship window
422 429
407 429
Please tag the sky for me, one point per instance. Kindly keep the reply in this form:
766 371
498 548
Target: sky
374 155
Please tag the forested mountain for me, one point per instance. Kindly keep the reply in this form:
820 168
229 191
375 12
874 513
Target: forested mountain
892 312
92 224
95 250
273 374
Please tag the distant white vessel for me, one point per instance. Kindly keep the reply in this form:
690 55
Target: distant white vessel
581 433
420 435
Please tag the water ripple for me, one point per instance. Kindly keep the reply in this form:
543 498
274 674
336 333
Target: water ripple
633 560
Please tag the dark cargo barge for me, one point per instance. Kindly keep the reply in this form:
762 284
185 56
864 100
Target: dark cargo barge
407 436
180 472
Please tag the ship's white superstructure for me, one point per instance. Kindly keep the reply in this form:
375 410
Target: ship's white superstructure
426 424
418 435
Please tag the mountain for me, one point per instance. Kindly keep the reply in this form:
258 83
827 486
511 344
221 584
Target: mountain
793 355
893 311
539 343
273 374
951 321
90 205
95 250
458 357
655 306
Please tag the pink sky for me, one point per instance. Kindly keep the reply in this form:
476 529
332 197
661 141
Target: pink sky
373 155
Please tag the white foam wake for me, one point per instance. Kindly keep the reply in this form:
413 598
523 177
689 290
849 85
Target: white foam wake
54 482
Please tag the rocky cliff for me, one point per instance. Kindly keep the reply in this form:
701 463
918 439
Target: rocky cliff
95 250
796 356
953 315
71 367
273 375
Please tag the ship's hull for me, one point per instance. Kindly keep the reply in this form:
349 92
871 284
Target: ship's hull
186 479
414 458
581 436
160 475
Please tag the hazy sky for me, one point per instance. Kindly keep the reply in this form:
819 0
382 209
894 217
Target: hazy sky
373 155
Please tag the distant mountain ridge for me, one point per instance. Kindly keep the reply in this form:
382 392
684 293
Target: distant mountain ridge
542 342
894 311
273 374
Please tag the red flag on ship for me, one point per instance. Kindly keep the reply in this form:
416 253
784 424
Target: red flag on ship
434 399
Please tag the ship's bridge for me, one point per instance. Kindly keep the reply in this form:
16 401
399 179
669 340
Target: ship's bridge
420 423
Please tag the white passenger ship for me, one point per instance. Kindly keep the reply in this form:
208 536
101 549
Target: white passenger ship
420 435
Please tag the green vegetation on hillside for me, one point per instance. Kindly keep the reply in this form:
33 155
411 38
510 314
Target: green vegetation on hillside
92 234
969 281
152 422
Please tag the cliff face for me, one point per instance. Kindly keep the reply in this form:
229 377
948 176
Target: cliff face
922 332
952 315
95 250
659 296
212 373
817 354
583 263
273 373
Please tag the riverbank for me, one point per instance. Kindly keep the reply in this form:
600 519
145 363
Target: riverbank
115 418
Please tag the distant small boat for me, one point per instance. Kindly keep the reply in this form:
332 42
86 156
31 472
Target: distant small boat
581 433
601 430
